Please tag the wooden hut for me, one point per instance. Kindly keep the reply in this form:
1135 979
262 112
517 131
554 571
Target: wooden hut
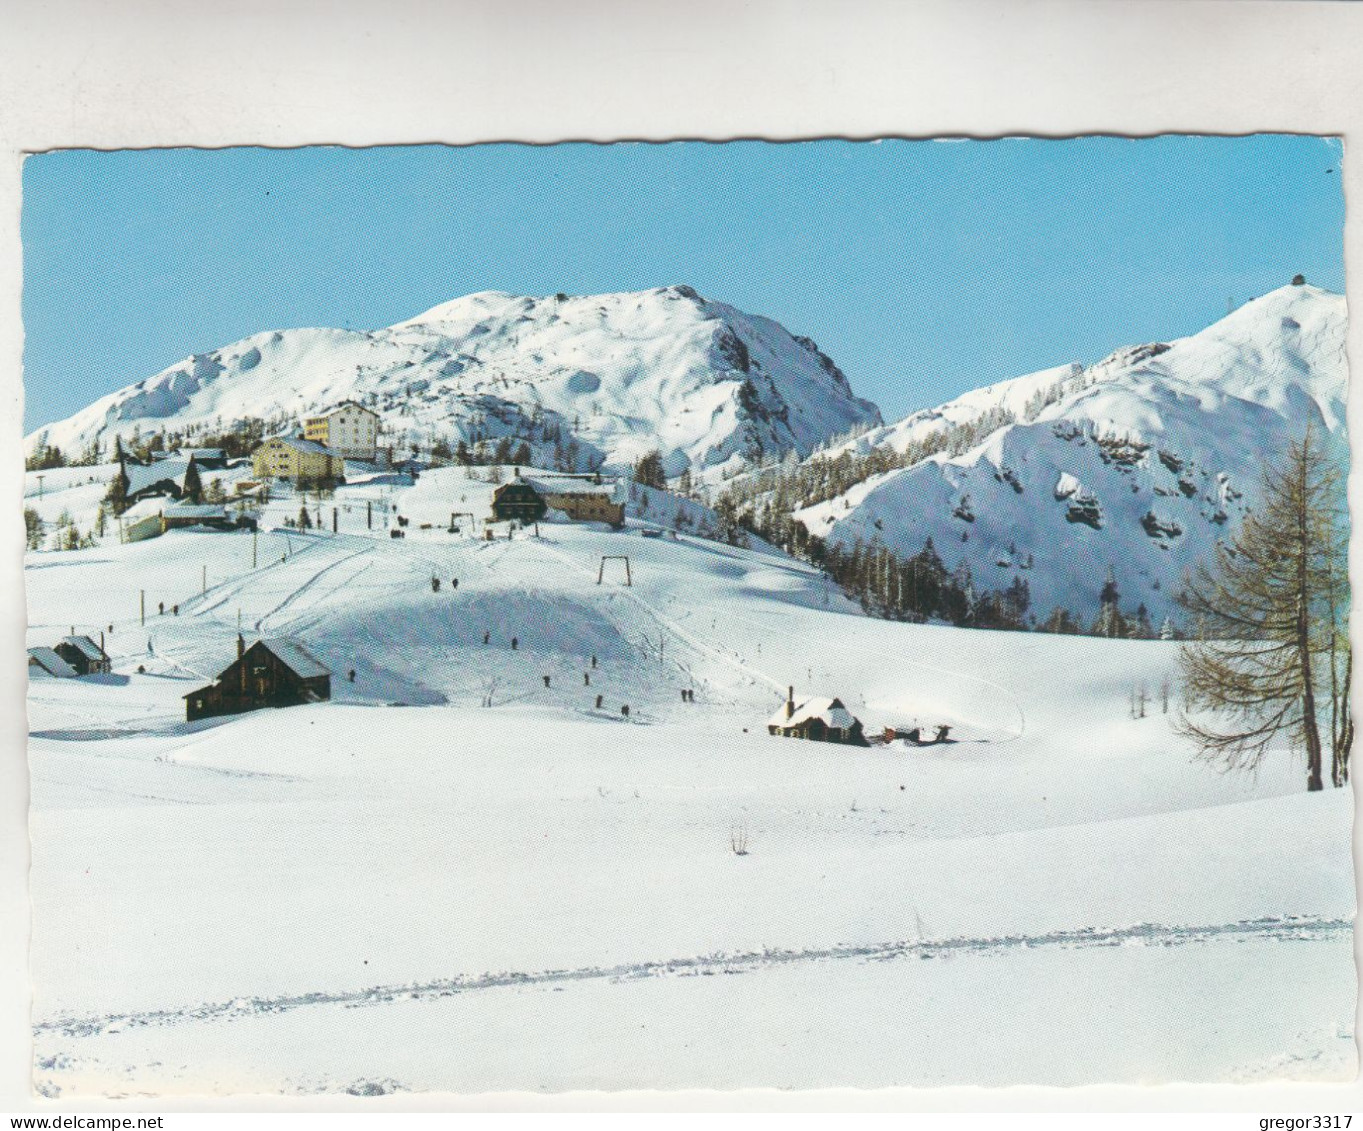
819 719
84 655
180 516
270 673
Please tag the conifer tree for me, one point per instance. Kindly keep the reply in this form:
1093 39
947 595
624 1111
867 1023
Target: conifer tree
33 528
1142 629
1061 621
193 484
1110 622
117 494
649 470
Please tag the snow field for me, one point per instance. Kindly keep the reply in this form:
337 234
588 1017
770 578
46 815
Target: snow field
1167 1013
354 847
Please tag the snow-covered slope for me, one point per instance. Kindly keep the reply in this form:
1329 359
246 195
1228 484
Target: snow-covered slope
618 373
332 897
1138 463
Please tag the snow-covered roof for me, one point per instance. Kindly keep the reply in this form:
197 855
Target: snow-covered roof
502 488
193 510
50 662
568 485
337 408
203 453
831 711
298 444
303 662
144 508
86 647
140 478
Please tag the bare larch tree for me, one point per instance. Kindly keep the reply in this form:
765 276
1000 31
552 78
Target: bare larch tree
1272 662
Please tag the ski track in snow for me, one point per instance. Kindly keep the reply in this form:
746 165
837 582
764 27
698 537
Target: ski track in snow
1285 929
222 593
313 580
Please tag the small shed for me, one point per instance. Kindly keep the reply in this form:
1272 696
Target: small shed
46 662
819 719
84 655
270 673
142 520
178 516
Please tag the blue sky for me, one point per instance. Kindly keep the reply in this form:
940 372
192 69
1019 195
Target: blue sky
923 268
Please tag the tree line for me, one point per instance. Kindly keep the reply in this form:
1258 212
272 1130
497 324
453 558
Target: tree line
237 440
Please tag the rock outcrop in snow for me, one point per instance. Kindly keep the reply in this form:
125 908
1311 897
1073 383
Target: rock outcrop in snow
581 379
1138 463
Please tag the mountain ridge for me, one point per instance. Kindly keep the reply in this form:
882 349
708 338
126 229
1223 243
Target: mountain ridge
585 380
1136 464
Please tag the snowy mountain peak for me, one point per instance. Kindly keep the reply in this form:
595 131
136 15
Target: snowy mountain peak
1139 462
582 379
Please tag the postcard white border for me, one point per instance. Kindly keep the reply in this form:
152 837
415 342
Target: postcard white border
360 72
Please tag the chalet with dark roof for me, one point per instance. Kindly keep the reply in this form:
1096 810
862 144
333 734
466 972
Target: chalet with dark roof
270 673
84 655
518 501
172 478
